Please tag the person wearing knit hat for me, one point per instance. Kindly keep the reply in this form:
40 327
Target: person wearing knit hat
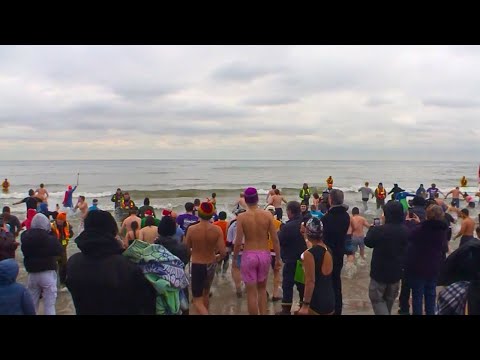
63 232
251 196
207 246
167 211
206 210
318 298
256 259
41 250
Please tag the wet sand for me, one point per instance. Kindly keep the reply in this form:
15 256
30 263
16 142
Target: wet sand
224 300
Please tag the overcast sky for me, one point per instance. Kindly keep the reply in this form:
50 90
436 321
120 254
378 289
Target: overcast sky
240 102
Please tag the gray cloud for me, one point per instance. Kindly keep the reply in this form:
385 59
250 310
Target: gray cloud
271 100
231 101
241 72
451 102
378 101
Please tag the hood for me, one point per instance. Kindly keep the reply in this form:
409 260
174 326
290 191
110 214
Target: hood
393 211
93 243
31 213
8 271
462 265
40 221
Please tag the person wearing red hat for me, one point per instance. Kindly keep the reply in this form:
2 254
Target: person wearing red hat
149 214
205 240
68 198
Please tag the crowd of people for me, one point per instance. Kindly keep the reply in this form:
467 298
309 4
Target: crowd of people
153 264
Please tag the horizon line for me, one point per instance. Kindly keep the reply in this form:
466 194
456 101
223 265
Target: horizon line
212 159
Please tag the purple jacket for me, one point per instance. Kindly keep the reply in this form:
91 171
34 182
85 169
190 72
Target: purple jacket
426 249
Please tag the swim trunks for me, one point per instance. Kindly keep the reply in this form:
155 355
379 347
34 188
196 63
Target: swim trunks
255 265
202 277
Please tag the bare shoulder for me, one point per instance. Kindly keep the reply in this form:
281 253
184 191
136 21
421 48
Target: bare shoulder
216 229
266 214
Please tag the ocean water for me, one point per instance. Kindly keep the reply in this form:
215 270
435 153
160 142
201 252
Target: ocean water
178 181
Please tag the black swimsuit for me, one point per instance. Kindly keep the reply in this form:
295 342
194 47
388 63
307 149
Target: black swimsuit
323 298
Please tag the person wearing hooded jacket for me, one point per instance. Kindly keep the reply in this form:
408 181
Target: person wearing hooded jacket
427 246
28 221
166 231
40 250
14 297
100 279
389 244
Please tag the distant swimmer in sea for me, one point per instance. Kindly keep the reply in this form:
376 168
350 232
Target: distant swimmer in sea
5 185
463 181
329 182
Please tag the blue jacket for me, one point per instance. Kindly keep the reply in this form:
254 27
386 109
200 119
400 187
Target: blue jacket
14 298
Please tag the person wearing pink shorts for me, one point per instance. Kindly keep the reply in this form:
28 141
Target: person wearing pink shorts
254 226
255 265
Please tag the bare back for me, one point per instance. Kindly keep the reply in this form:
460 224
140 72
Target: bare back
469 226
149 234
83 207
456 193
127 223
42 193
205 240
255 225
276 201
358 222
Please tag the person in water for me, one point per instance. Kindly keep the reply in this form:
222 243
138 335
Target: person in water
5 185
68 198
329 182
421 192
305 193
395 190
